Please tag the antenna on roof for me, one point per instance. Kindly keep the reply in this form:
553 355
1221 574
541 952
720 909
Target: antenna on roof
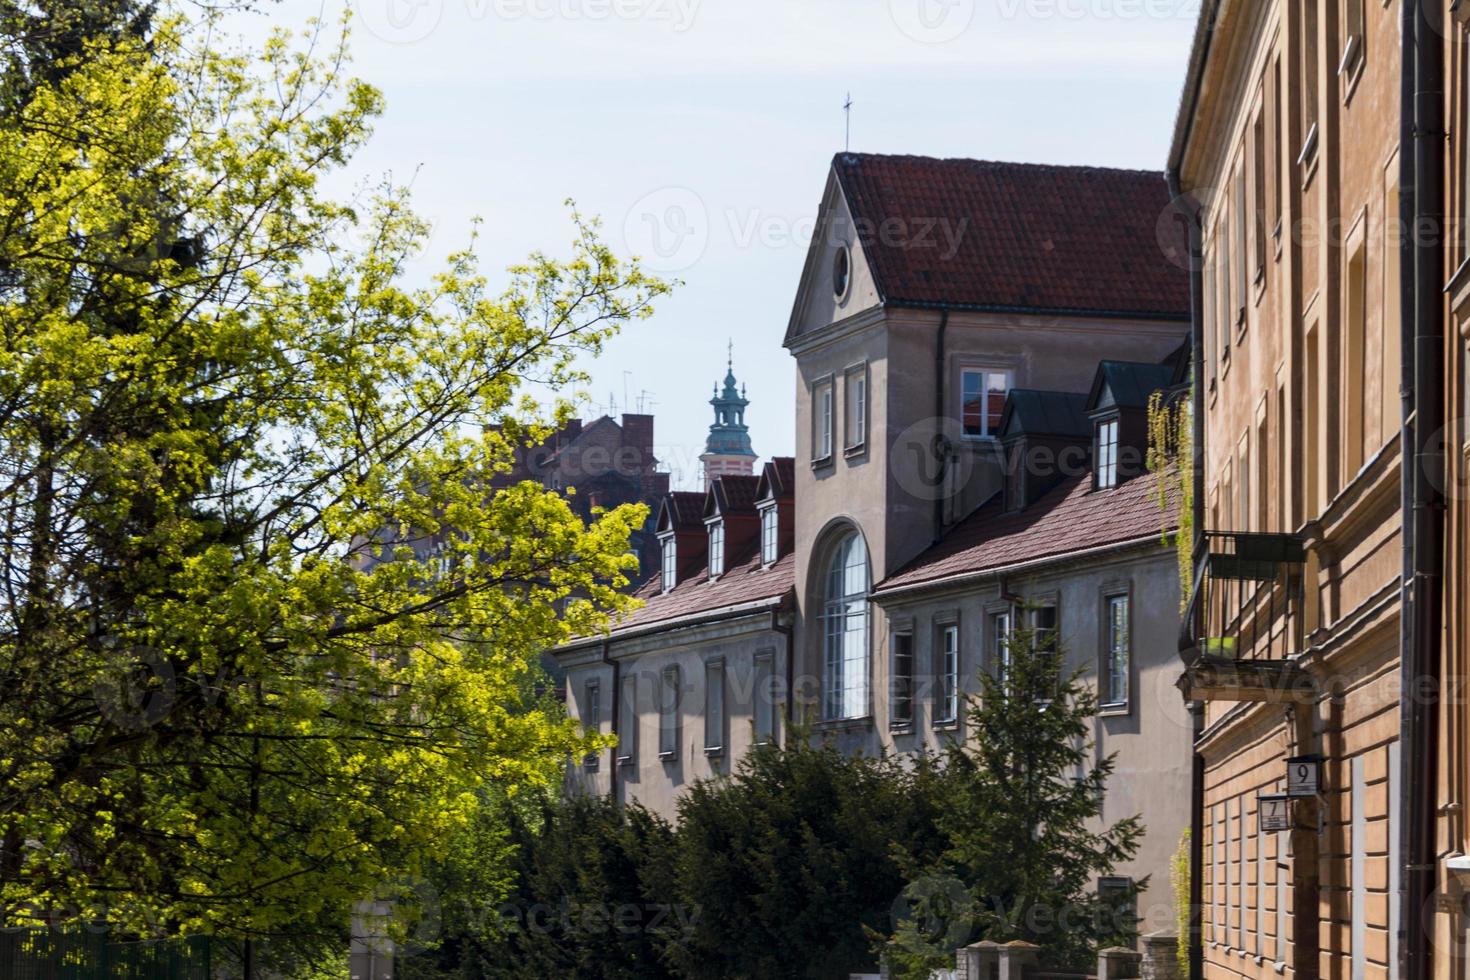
847 110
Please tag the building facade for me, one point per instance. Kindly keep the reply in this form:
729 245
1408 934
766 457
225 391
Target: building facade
1287 153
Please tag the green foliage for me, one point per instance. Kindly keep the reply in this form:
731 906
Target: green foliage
1170 458
229 701
1179 881
791 860
1021 850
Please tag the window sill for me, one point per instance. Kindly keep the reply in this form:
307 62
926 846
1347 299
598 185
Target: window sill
861 724
822 462
1350 68
667 756
1307 160
947 726
714 752
1114 710
906 728
853 452
625 762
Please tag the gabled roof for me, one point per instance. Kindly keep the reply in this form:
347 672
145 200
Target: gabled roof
1032 412
777 479
1071 519
1127 384
682 510
1017 237
732 494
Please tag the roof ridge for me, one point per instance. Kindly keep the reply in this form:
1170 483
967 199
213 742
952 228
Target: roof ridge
986 161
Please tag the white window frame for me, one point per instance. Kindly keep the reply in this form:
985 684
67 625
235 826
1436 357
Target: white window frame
855 408
668 562
989 426
946 672
1106 468
1117 652
770 534
901 680
591 717
716 531
845 628
714 707
998 622
824 401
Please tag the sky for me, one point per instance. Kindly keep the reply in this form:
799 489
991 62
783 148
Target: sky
702 131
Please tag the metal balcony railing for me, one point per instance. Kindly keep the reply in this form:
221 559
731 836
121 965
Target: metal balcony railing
1247 598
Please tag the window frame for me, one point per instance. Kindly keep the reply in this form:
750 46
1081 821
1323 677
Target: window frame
841 693
770 519
763 711
670 694
999 624
591 718
1109 699
1105 465
824 408
901 676
715 532
627 748
668 548
716 713
855 376
946 699
989 427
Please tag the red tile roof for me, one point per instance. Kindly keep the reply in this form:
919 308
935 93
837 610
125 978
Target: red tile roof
1069 519
1017 236
685 509
742 585
735 493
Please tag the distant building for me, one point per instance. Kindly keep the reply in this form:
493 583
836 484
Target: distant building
727 451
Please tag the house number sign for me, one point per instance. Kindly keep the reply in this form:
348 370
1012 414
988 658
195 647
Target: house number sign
1304 775
1274 812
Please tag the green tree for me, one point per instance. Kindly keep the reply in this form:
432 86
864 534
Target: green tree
229 703
1022 849
791 860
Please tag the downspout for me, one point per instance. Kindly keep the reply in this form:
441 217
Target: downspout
941 451
1421 666
1189 210
617 706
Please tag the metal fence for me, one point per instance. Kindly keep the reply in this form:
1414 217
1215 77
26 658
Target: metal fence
77 953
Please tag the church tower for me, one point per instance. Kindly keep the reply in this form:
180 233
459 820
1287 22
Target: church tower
727 451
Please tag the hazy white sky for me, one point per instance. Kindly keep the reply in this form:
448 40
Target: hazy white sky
702 130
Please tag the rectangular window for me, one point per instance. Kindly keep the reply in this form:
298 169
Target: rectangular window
1243 487
1263 478
670 563
764 708
1392 359
1354 377
1311 72
1226 282
1107 454
1242 247
1352 30
1044 627
984 397
1000 645
714 707
1258 189
947 675
668 714
1119 901
822 421
770 535
717 549
628 722
901 682
1311 457
1208 314
855 401
591 717
1275 157
1119 663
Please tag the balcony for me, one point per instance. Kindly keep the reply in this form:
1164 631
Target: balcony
1243 628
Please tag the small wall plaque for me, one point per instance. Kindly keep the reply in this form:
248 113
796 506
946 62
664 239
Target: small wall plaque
1273 812
1304 775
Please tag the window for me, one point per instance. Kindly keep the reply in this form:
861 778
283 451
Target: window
670 563
668 714
1107 454
1241 244
984 397
1000 645
1243 496
770 535
1119 901
1043 621
947 675
1263 462
1392 311
1275 156
822 421
591 717
1310 72
1258 188
764 708
1311 443
1354 377
855 402
901 682
1208 315
717 549
1223 280
714 707
845 632
841 272
1118 666
628 722
1352 29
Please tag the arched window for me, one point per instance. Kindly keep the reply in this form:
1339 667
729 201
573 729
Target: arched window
845 632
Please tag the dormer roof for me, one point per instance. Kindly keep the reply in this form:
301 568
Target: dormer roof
681 510
731 494
777 480
1127 384
1029 411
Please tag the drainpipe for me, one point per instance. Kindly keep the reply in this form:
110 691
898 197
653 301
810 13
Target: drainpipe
1420 667
940 450
1188 208
617 710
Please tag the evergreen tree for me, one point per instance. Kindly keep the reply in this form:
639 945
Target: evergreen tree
1021 804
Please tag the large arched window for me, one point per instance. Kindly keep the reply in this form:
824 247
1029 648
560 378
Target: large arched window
845 631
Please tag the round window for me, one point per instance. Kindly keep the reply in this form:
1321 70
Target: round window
841 272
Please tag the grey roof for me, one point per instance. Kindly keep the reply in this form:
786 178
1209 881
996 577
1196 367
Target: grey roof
1130 383
1045 413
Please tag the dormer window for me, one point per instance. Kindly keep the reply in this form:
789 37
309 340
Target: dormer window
1106 455
670 563
716 549
770 535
